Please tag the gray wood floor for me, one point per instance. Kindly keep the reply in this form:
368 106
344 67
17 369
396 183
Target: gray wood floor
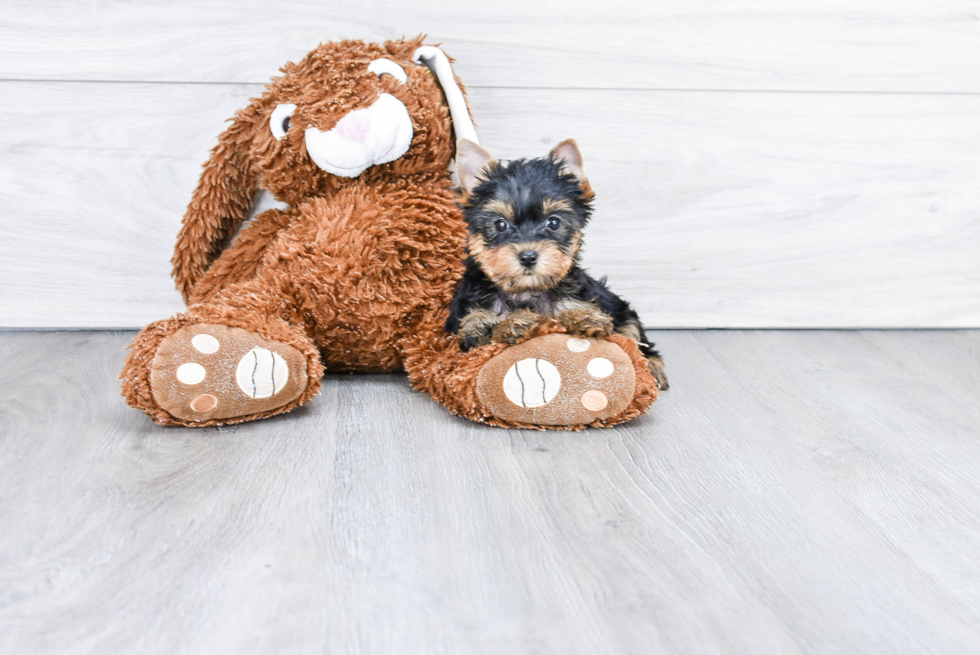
794 492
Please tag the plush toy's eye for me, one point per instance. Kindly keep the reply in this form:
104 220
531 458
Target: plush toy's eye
280 121
553 223
501 225
388 67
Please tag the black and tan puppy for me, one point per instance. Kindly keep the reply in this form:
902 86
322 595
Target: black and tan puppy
525 221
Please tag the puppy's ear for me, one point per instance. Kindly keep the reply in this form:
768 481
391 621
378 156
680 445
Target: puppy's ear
471 161
567 154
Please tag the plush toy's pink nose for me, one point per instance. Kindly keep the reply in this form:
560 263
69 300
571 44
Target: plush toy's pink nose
354 126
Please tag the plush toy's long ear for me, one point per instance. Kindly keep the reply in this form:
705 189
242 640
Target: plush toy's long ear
437 61
471 161
220 204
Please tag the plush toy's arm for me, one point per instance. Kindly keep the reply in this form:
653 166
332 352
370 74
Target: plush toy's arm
221 202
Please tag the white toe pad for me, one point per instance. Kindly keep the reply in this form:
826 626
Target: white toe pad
532 382
261 373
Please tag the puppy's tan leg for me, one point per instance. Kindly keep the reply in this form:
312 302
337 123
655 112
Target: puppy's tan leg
657 368
633 331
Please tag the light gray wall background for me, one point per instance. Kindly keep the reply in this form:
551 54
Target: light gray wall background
766 163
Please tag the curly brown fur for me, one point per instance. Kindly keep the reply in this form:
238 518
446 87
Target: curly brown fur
326 85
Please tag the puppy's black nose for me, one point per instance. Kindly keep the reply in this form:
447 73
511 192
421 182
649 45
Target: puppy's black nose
528 258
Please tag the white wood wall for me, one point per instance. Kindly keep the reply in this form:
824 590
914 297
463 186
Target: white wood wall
766 163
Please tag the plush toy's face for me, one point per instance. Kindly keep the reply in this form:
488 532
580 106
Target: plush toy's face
349 110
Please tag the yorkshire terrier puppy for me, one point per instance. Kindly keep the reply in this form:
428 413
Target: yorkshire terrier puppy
525 221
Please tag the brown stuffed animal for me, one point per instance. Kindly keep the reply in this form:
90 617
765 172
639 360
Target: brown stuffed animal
358 272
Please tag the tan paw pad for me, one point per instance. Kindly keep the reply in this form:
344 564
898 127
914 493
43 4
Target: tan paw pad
594 401
557 380
203 372
204 403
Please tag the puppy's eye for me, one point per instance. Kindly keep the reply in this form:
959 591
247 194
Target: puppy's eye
501 225
280 121
388 67
553 223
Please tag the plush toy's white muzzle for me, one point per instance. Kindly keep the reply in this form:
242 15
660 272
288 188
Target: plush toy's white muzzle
375 135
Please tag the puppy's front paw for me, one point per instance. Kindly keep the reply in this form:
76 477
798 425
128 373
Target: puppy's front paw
586 322
512 328
468 342
475 328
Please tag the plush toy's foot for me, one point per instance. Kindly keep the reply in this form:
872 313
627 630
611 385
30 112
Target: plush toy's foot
203 372
557 380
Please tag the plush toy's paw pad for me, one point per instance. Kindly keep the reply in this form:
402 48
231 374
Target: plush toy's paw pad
557 380
203 372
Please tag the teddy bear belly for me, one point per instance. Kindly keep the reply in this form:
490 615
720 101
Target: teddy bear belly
356 271
351 347
364 335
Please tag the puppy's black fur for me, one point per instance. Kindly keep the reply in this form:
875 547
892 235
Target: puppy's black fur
525 220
